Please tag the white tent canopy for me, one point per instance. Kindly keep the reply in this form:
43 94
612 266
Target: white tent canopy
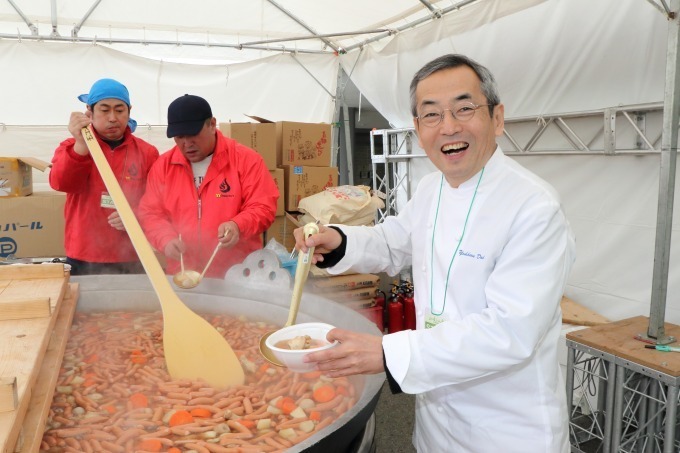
280 60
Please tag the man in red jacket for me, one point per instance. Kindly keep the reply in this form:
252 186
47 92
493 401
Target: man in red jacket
95 239
209 189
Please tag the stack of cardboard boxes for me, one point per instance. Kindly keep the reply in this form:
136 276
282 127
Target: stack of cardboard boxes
31 224
356 291
298 156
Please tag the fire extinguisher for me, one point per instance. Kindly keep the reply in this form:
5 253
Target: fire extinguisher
379 298
395 314
409 311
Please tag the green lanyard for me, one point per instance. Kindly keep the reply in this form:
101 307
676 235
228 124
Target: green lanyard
434 229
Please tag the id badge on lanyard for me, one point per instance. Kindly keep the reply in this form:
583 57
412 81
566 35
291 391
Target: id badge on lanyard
107 201
432 320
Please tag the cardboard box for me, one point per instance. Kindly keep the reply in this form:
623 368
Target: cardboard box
348 294
32 226
282 231
16 175
259 136
303 181
344 282
303 144
279 180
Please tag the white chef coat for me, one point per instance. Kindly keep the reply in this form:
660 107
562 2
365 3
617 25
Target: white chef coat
487 379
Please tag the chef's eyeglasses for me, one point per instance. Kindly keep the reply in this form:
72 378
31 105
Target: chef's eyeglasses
432 116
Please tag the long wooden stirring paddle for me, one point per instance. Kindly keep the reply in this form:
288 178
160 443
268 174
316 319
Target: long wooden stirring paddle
193 348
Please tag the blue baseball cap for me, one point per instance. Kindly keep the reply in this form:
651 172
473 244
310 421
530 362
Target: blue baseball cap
108 89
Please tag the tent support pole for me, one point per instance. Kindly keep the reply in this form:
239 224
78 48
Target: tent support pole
348 143
669 148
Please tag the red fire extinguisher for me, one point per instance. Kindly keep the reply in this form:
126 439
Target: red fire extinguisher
395 314
409 311
379 298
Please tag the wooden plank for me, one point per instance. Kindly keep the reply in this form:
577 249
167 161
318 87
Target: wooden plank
22 349
35 307
30 271
38 409
577 314
35 291
8 394
53 287
618 339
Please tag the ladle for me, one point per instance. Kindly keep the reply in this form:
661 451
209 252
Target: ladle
191 279
193 347
301 272
181 257
185 279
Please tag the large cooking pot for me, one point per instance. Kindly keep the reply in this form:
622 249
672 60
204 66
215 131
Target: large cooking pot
258 299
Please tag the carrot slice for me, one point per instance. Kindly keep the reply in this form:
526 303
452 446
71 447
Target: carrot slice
315 416
324 393
139 400
200 412
288 406
181 417
109 408
284 400
174 450
250 424
150 445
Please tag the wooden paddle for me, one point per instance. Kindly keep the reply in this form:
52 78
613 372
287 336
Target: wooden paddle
193 348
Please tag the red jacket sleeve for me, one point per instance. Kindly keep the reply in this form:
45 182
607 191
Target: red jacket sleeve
70 171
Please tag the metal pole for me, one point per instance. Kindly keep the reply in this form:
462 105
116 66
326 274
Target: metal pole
349 151
669 148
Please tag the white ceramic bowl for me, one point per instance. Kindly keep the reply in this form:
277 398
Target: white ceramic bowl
292 358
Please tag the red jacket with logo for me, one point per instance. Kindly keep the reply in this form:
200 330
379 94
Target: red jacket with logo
237 186
88 235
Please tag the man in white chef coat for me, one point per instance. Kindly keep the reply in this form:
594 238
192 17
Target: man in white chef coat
490 250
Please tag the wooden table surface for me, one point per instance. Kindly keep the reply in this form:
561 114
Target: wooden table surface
24 342
618 339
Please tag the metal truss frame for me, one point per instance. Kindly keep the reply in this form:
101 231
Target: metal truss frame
619 406
623 130
391 169
589 397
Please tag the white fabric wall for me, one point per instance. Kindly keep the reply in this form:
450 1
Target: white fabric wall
556 57
611 203
41 81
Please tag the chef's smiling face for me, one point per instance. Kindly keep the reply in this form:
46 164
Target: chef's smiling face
459 149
